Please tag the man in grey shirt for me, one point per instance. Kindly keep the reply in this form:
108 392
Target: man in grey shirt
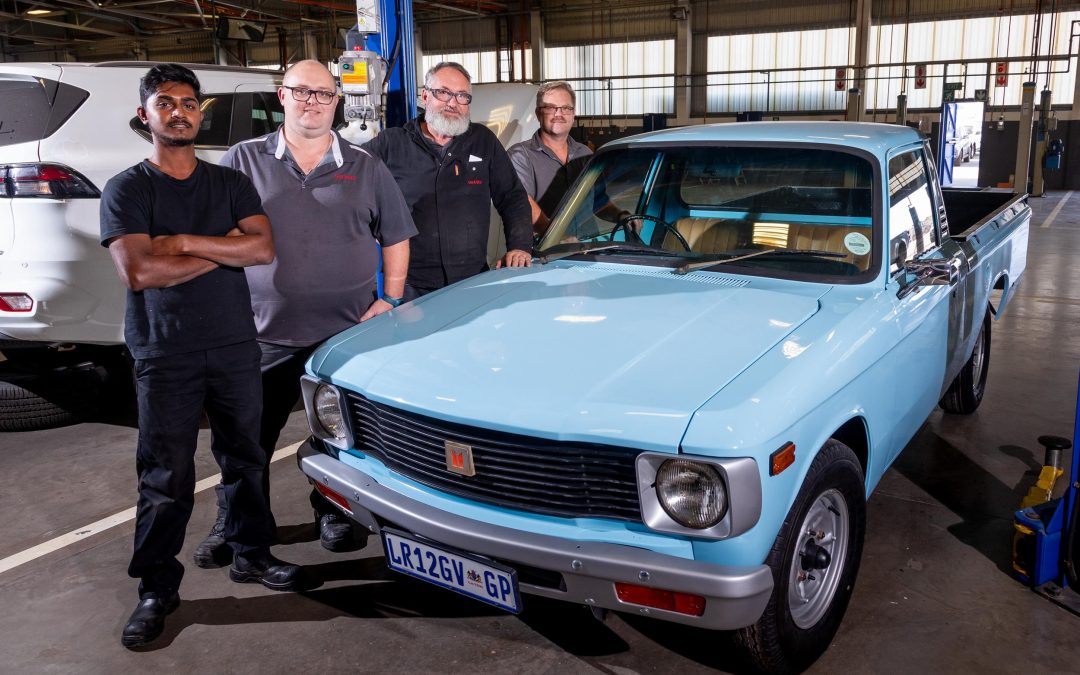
548 163
329 204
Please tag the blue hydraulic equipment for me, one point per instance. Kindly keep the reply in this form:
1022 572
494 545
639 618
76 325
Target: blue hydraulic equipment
377 71
378 68
1046 542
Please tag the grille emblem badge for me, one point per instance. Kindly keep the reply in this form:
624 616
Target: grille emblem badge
459 458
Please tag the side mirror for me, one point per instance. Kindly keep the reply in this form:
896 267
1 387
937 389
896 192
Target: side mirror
937 272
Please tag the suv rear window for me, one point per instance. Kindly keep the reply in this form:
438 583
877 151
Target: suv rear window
33 108
231 118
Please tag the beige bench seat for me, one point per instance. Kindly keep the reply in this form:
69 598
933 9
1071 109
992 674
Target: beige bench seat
718 235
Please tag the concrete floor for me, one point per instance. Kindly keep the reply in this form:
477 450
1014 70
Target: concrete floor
934 593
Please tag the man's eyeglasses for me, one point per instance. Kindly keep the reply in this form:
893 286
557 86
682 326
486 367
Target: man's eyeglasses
304 94
552 109
444 95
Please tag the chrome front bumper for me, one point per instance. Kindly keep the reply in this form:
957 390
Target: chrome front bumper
734 596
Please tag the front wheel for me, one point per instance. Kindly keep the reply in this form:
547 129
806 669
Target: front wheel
965 393
814 562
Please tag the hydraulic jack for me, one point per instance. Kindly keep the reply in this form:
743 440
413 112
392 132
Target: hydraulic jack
1046 541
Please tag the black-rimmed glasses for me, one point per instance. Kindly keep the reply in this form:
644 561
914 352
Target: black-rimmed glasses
444 95
303 94
552 109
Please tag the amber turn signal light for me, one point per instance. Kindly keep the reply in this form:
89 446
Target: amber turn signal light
782 458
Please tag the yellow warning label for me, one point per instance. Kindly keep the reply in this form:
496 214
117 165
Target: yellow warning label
358 76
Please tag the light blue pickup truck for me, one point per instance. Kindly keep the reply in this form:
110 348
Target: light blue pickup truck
727 336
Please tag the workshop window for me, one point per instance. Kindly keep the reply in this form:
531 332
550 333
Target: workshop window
796 70
623 78
486 67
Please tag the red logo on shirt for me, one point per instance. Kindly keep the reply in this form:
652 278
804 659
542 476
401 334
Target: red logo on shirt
475 182
344 176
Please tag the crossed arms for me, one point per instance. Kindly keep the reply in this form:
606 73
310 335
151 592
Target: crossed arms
170 260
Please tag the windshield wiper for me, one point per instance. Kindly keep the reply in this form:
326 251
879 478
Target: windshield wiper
597 247
701 264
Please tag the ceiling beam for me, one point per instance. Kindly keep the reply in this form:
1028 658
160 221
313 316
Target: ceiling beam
61 24
146 16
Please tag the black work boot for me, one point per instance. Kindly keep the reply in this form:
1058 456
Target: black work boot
148 619
335 532
265 569
213 552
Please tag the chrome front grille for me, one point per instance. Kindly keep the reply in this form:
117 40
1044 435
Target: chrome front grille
513 471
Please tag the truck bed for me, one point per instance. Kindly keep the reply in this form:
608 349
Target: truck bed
969 208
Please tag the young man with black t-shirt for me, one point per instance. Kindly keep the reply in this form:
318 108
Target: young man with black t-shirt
180 232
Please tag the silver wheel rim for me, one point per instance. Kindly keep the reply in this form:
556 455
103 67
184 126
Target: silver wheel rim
827 525
978 355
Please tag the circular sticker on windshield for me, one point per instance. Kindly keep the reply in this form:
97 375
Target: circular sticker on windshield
857 243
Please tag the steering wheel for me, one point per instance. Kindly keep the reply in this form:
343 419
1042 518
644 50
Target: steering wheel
624 225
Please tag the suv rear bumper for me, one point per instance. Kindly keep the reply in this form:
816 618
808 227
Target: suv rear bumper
734 596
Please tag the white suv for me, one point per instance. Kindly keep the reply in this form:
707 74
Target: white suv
65 129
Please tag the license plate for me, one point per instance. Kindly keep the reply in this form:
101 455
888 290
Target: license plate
494 584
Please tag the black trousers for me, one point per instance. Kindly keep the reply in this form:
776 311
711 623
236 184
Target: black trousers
173 392
281 367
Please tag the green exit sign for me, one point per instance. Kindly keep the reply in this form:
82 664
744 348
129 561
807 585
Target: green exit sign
954 86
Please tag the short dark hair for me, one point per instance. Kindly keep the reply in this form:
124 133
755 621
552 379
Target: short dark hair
166 72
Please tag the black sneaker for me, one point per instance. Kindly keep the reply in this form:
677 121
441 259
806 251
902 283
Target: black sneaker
213 552
277 575
335 532
148 620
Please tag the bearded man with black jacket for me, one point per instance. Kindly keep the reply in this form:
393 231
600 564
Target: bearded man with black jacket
451 171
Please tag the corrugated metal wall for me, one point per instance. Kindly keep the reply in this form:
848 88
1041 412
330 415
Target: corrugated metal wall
473 34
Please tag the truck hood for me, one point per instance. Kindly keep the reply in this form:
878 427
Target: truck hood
604 353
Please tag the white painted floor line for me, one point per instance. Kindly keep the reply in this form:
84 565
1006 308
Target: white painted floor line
1057 209
45 548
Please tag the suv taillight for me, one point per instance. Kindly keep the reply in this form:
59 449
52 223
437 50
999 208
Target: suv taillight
45 180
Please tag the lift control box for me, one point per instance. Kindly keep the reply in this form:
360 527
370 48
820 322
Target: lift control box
361 73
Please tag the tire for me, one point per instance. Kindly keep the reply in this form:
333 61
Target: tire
34 401
965 393
807 605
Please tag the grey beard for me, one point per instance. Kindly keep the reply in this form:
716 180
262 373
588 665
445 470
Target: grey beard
445 126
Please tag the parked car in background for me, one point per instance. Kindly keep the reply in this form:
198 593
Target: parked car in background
680 409
65 129
966 144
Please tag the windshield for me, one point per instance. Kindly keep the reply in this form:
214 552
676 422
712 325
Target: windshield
704 203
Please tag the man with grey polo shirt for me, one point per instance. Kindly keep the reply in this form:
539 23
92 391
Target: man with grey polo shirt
548 163
329 204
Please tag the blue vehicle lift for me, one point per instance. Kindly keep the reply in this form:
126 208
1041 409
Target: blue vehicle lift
384 28
1046 545
379 50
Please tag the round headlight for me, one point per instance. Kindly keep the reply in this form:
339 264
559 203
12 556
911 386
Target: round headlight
328 411
691 493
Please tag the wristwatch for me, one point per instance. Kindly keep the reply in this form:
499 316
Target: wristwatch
393 302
